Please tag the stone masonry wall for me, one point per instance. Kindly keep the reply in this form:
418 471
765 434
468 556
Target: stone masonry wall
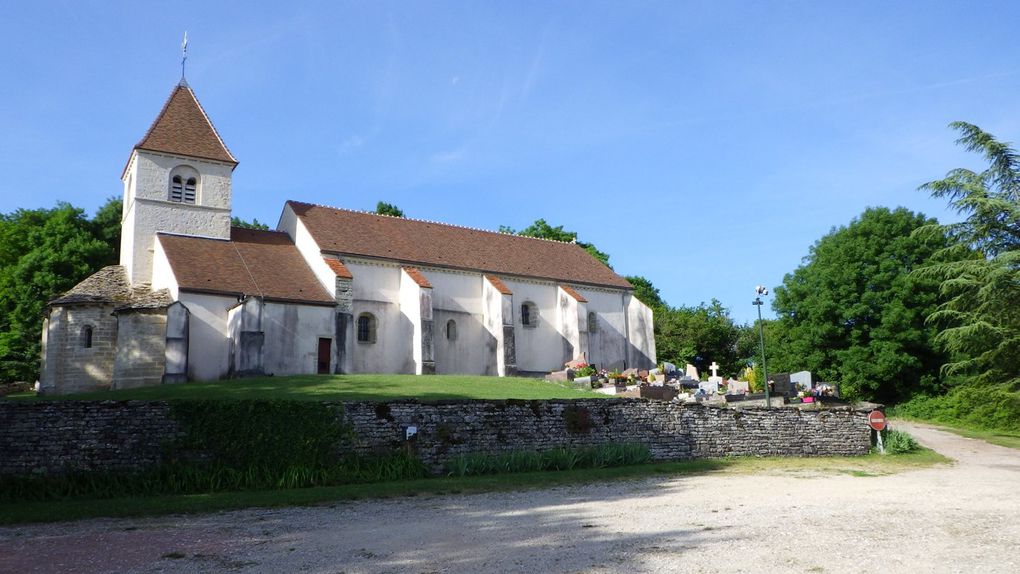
56 437
73 366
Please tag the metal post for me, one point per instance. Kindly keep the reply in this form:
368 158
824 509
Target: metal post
760 290
764 367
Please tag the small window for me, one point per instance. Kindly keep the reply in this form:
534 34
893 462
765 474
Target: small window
366 328
529 315
451 330
86 336
593 323
176 189
189 190
183 185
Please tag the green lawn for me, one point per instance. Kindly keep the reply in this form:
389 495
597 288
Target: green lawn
76 509
345 387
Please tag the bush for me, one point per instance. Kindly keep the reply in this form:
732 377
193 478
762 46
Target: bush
979 407
555 459
899 442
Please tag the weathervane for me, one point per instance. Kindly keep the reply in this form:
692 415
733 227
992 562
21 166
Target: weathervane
184 57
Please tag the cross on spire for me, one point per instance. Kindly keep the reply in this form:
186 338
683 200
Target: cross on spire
184 57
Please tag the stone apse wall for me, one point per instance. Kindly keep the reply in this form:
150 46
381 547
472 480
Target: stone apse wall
57 437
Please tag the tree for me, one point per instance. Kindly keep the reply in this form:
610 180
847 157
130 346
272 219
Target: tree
253 224
646 292
854 313
979 273
43 252
383 208
106 225
698 335
541 229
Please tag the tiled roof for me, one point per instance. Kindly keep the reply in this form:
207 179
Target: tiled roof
570 291
110 285
417 277
182 128
499 285
338 267
345 232
253 262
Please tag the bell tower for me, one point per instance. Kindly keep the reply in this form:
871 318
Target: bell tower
177 180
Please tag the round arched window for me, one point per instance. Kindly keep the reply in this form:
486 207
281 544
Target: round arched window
451 330
529 315
366 328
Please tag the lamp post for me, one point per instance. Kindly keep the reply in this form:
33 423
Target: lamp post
762 292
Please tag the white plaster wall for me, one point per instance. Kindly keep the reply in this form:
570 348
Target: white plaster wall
607 346
151 211
208 343
292 334
309 249
377 291
472 352
570 311
640 334
411 309
539 348
454 291
162 273
497 309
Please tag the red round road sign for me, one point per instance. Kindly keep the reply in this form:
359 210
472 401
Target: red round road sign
876 420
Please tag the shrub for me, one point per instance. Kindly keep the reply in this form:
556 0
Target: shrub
899 442
980 407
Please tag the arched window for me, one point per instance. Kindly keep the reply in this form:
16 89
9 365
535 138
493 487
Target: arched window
529 315
86 336
183 185
366 328
451 330
593 323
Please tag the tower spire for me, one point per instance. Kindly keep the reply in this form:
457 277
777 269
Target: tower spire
184 57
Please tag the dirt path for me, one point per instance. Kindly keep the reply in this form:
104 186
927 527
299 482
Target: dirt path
962 518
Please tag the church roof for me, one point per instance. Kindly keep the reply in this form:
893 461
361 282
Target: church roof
110 285
253 262
182 128
345 232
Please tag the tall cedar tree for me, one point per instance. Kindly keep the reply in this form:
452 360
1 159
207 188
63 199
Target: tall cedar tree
854 313
980 272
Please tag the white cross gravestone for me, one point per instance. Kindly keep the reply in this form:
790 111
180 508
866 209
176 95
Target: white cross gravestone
715 380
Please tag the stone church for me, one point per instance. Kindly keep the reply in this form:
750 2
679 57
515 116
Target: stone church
329 291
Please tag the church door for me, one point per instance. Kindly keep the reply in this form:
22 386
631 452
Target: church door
325 346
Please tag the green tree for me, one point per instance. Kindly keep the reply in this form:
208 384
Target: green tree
383 208
646 292
541 229
43 252
698 335
854 313
979 274
253 224
106 225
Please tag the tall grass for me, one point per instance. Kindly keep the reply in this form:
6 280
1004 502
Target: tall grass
602 456
191 479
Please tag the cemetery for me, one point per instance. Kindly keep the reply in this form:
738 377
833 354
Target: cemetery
666 382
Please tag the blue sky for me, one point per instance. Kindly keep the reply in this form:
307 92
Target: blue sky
704 145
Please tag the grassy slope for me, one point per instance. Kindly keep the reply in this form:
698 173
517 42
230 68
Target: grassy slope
1001 438
345 387
864 466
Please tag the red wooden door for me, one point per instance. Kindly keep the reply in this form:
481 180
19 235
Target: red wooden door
324 352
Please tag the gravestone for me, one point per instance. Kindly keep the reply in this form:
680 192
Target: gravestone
692 372
715 378
710 387
737 387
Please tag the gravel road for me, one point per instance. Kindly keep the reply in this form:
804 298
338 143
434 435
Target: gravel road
959 518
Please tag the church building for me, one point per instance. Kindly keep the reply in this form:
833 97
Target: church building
329 291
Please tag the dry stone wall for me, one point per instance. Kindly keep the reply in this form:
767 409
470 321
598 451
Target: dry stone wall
58 437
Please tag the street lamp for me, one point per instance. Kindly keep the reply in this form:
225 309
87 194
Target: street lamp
762 292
